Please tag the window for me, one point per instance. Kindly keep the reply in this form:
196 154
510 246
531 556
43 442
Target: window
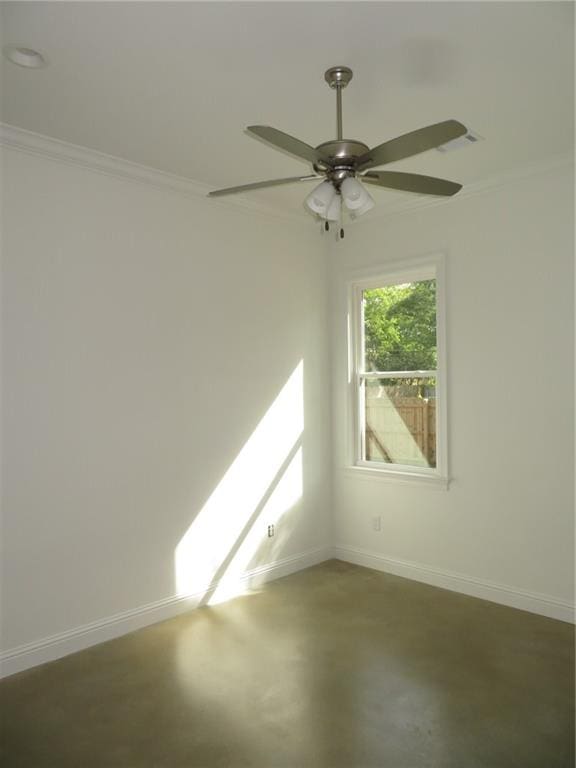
398 378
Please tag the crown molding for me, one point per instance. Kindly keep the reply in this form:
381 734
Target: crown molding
73 154
411 203
99 162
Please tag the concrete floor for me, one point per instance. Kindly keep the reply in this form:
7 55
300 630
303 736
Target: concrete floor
335 666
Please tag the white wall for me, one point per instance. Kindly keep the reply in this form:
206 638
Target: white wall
146 333
505 528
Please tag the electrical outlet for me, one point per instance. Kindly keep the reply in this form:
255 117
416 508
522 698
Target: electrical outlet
270 531
377 523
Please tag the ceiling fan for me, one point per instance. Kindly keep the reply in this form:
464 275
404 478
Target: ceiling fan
341 162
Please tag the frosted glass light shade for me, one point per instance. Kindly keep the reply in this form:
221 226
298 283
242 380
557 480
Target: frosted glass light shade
355 197
334 209
320 198
364 208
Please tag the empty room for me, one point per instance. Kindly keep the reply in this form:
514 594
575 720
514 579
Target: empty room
287 385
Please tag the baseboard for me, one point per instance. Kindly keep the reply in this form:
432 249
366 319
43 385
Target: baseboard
496 593
55 647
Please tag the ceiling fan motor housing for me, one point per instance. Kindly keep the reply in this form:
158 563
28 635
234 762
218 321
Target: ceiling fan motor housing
341 156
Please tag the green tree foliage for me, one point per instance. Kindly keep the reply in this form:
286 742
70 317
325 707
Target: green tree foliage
400 327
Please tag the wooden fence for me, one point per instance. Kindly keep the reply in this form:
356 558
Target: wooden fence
400 430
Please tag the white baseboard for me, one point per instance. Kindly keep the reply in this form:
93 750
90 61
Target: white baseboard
73 640
496 593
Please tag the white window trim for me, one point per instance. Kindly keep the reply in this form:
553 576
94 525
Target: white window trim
431 267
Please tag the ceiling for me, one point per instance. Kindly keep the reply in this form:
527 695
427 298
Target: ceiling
172 85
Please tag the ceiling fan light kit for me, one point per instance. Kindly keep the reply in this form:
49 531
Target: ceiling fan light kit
340 163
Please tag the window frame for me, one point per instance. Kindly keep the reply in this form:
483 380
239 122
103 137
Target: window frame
432 267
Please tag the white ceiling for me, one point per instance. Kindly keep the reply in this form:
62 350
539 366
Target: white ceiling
173 85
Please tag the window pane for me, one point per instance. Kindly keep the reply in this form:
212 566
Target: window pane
400 327
400 421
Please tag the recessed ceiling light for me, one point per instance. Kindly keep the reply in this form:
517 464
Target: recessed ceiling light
24 57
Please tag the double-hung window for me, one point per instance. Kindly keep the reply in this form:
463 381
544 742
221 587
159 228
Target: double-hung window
399 373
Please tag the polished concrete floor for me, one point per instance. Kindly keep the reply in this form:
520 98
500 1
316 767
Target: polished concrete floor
335 666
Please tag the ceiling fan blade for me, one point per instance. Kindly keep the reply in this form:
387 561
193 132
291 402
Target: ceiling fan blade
412 182
411 144
288 143
260 184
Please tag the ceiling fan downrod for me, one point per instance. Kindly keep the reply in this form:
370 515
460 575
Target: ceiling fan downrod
338 156
338 78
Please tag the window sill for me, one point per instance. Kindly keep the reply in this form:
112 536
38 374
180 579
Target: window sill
402 478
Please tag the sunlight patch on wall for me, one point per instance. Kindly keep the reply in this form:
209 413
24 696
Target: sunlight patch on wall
265 478
281 502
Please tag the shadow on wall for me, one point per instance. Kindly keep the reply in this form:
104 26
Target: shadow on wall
261 487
